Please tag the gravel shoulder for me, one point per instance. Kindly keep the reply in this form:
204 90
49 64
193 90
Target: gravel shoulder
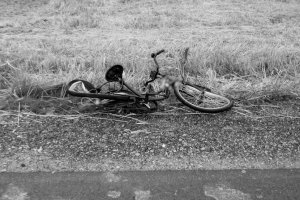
265 136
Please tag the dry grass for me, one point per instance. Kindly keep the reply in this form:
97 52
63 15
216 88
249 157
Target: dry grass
248 50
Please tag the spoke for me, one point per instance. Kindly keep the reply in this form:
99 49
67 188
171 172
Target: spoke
202 98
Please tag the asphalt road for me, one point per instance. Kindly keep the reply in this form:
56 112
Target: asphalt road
143 185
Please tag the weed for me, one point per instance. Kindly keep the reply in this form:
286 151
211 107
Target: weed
247 50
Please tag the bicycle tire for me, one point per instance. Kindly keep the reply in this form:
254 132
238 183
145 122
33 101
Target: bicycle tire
201 99
113 96
122 95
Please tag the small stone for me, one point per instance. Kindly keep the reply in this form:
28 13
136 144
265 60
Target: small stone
142 195
114 194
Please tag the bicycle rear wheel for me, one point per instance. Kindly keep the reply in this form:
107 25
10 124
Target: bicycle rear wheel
74 88
201 99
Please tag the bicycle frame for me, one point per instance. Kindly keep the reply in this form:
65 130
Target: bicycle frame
153 75
194 96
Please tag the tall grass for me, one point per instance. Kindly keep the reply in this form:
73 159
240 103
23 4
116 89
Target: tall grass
244 49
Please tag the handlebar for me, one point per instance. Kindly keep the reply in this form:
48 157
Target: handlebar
154 74
153 55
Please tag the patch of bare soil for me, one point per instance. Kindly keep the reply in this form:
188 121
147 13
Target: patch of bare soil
265 136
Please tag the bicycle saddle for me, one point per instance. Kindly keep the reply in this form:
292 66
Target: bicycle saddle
114 73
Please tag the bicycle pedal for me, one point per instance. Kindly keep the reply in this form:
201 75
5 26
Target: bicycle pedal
147 105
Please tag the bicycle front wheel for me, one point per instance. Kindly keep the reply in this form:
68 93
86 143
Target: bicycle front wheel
201 99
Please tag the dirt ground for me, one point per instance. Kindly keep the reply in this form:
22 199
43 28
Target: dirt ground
265 136
248 136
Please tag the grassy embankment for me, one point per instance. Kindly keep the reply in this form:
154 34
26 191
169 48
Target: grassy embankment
248 50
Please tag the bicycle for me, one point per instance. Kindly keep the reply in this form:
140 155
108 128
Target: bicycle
197 97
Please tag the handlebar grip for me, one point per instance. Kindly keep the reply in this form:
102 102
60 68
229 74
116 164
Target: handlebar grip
153 55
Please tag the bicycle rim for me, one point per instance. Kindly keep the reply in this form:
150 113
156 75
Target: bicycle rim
201 100
123 95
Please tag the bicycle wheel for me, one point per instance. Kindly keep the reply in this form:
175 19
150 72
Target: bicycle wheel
72 89
201 99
